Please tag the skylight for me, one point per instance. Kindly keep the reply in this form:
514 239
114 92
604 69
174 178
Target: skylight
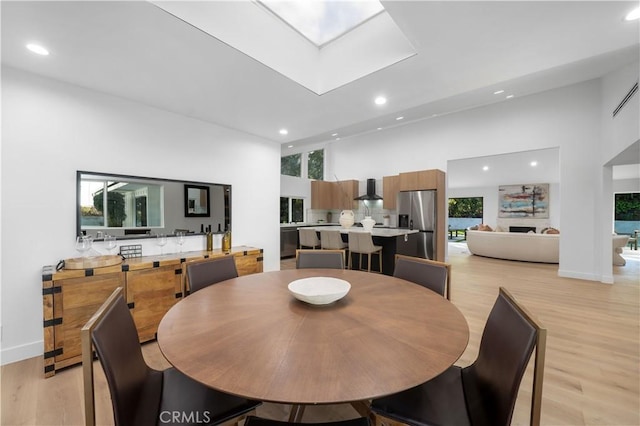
322 21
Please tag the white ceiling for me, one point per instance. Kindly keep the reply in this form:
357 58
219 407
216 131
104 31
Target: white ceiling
513 168
465 51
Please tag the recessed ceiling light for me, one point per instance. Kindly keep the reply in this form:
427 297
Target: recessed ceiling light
290 146
497 92
633 15
434 115
337 139
485 168
36 48
284 132
379 128
509 96
334 134
533 163
380 100
399 118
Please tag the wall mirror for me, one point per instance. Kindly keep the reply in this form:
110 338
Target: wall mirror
134 207
196 201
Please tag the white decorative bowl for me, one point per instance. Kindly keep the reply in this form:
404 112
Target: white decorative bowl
319 290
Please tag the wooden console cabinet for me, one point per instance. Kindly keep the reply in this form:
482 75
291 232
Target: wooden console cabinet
153 284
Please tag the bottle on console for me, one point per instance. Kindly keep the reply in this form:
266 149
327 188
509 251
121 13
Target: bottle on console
226 240
209 241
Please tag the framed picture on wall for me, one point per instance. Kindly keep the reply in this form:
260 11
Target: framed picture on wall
529 200
196 201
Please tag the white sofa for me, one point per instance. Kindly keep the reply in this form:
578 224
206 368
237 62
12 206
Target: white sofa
619 242
528 247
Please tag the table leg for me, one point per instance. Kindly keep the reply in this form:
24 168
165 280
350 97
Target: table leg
363 408
295 416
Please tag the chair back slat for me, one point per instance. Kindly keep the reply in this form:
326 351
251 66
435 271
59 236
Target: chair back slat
491 383
135 388
87 357
323 259
204 273
432 274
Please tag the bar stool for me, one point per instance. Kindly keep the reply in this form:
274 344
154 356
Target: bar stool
308 238
362 243
331 240
633 240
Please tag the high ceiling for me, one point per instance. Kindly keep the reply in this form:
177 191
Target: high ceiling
465 52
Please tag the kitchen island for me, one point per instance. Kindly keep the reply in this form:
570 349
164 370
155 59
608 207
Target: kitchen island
393 241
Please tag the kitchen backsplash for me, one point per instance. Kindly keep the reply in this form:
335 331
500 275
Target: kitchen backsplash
378 214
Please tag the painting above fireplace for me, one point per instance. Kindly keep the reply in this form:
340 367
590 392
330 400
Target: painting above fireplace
529 200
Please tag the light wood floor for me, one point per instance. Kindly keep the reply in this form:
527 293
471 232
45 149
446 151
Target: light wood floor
592 367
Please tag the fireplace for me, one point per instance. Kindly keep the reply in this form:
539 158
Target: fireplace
523 229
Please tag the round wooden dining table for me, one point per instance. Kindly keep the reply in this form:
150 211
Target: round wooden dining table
250 337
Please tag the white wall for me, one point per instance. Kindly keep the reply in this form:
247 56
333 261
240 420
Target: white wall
626 185
51 129
621 131
568 118
618 134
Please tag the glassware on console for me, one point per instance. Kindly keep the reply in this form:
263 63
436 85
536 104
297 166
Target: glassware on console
83 244
180 239
161 240
110 242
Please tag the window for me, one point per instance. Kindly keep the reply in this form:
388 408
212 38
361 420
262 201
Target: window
315 164
129 204
291 210
291 165
468 207
464 212
627 213
321 22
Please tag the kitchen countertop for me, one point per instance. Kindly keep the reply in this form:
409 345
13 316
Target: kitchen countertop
376 232
306 224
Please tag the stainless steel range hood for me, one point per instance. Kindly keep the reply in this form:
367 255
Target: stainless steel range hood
371 192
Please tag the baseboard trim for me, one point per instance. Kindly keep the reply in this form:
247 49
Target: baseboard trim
578 275
22 352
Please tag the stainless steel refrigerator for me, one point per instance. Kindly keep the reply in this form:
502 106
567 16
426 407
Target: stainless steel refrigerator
417 210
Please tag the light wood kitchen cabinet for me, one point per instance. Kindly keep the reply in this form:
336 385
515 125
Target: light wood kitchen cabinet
390 188
333 195
422 180
322 194
346 191
152 285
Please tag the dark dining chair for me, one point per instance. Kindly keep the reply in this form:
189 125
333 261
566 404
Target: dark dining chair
141 395
428 273
260 421
206 272
323 259
485 392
